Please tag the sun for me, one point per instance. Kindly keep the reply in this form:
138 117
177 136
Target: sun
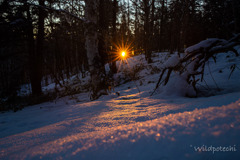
122 51
123 54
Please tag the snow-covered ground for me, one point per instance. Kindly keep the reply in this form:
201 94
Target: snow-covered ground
133 125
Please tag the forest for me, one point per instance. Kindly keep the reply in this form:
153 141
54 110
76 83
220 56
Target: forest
45 41
120 79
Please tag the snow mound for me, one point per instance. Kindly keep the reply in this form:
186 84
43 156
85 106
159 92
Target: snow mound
131 125
178 87
172 61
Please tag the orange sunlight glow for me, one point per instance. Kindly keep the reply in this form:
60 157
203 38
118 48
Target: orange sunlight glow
122 53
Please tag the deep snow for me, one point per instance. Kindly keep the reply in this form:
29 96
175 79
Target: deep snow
165 126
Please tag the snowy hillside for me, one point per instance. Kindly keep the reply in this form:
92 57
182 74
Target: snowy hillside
133 124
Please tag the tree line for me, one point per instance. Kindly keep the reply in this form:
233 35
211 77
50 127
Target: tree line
53 39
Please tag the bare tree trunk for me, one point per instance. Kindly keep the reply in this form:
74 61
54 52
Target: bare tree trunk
31 48
235 15
36 57
146 30
91 44
151 45
161 24
114 38
184 27
128 19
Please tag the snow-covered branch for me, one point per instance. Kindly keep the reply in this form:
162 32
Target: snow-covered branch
196 56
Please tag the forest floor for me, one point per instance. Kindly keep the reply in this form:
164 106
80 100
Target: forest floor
133 124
